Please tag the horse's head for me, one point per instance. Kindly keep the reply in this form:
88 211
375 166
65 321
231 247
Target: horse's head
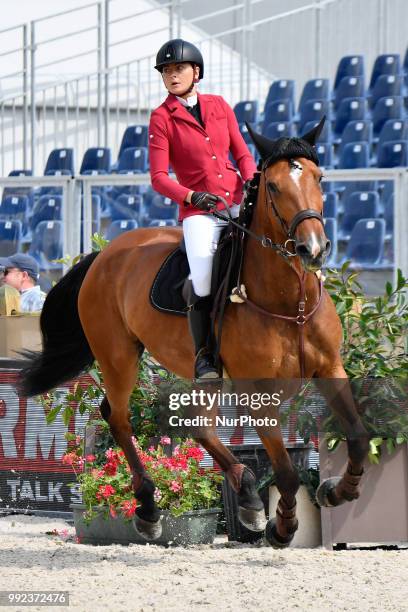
293 193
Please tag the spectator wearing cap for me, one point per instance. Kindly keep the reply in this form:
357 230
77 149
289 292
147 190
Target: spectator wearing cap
21 271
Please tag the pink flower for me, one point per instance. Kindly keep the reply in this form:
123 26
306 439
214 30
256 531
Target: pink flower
151 449
165 440
175 486
78 539
157 495
90 458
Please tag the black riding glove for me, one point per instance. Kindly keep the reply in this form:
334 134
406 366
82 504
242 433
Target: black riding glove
203 200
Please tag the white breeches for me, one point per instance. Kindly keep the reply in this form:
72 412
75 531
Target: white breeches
201 236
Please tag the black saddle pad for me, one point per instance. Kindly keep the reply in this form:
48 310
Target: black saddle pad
166 292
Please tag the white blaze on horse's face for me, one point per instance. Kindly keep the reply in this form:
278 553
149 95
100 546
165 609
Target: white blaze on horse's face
295 173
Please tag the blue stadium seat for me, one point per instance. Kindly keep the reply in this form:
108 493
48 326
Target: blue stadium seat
385 64
244 131
325 135
405 62
350 109
96 160
15 208
385 109
277 130
349 87
315 89
355 155
325 154
385 86
393 154
126 207
46 244
116 228
359 205
162 223
330 229
47 208
393 129
133 160
246 110
330 204
134 136
19 191
161 208
366 245
357 131
10 237
283 89
60 159
313 110
345 188
350 65
278 112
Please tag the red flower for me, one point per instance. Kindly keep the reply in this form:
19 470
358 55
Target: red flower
110 469
105 491
129 507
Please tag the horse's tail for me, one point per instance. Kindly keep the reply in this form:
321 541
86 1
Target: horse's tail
66 352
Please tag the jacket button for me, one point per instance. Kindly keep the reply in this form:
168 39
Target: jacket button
220 176
227 193
214 157
207 138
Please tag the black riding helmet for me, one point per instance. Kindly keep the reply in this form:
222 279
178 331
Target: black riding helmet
176 51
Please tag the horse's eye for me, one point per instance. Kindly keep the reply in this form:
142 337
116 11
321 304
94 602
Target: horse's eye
273 188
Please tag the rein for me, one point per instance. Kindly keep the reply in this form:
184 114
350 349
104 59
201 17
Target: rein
301 318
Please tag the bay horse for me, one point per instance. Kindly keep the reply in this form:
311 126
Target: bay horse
101 310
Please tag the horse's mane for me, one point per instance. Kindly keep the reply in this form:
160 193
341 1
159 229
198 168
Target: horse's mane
288 148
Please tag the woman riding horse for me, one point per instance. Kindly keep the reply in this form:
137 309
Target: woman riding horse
195 133
285 328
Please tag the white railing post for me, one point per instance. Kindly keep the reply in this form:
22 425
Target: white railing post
100 69
106 67
32 98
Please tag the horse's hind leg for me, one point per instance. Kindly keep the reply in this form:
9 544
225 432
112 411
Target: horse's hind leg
119 370
251 511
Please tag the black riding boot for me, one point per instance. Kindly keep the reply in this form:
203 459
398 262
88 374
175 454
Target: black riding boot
199 322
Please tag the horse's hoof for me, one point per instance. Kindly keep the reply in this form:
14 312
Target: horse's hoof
147 529
254 520
273 538
324 494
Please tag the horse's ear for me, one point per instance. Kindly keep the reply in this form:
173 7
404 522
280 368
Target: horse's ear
314 133
264 145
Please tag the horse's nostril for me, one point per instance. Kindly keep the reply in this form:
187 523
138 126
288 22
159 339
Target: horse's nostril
328 246
302 250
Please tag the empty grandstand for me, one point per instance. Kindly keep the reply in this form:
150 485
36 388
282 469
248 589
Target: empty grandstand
75 102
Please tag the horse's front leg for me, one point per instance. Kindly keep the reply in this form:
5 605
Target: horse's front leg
281 529
337 391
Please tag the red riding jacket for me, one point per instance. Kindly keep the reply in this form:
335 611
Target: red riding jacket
198 156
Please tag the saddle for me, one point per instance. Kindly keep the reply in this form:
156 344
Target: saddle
166 293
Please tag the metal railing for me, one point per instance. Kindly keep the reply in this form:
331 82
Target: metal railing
77 193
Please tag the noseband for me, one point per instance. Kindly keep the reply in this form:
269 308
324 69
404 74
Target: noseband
302 215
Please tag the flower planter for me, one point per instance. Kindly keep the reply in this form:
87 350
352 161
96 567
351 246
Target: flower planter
309 533
194 527
380 514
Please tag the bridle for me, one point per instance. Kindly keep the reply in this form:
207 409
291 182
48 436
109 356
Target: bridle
282 249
